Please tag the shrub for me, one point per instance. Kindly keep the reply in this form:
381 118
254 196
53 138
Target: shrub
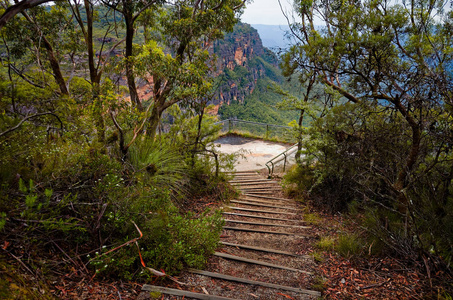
349 245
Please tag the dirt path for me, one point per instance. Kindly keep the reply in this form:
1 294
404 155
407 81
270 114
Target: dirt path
260 255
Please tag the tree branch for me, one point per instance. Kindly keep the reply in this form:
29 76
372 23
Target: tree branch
13 10
30 117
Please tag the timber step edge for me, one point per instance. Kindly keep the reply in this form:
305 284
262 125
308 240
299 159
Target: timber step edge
262 205
277 202
264 231
176 292
261 217
249 180
274 251
267 224
254 282
258 262
266 197
261 211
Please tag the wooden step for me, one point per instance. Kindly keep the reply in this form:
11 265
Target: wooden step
263 231
261 211
250 180
267 224
176 292
257 262
247 177
254 183
261 189
277 202
264 193
262 205
264 250
254 282
267 197
260 217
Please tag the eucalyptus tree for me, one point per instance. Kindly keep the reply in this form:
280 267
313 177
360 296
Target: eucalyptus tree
40 31
393 59
17 8
177 66
131 11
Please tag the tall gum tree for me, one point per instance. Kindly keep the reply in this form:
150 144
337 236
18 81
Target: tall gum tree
178 65
131 11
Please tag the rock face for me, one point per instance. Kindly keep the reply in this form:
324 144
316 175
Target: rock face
241 61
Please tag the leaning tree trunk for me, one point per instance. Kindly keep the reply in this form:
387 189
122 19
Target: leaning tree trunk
129 64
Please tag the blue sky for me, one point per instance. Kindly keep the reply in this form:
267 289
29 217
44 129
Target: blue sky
266 12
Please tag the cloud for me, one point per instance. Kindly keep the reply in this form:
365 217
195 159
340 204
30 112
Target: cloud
266 12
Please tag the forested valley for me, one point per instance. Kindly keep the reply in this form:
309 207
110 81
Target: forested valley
108 166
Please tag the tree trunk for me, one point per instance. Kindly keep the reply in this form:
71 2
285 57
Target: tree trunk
197 138
401 181
55 65
95 76
299 136
128 55
154 120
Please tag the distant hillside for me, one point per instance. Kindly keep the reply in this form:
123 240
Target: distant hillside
245 71
273 36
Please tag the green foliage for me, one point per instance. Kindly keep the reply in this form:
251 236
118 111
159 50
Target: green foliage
319 283
326 243
349 245
298 180
78 165
260 106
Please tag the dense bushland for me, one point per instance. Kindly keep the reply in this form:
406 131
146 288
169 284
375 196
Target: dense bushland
380 141
79 199
97 176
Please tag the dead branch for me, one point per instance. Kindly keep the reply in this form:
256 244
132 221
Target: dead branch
29 117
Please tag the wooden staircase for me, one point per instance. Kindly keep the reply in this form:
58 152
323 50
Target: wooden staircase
259 257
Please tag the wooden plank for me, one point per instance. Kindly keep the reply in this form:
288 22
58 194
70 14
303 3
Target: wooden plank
176 292
261 211
262 205
264 193
257 262
250 180
263 231
259 217
259 189
268 197
251 196
254 282
267 202
264 250
255 183
267 224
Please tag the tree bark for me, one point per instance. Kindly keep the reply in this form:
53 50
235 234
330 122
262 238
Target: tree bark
129 64
15 9
401 180
54 64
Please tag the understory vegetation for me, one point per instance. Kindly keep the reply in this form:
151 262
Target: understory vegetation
379 143
97 177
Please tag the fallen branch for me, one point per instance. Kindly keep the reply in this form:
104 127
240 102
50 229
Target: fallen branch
29 117
153 271
375 285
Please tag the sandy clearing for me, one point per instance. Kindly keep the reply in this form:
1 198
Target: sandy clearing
256 152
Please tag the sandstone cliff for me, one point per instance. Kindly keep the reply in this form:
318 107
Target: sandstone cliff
241 61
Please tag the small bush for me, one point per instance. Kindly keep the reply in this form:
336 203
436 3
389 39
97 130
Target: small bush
349 245
326 243
298 180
